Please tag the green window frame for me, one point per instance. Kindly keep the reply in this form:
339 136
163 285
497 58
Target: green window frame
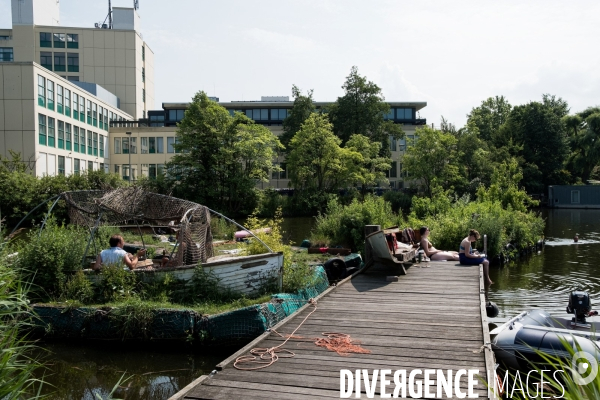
90 141
95 144
100 117
89 112
95 114
59 40
61 165
82 140
59 99
75 106
72 40
51 133
42 130
45 39
75 139
106 120
81 109
46 59
143 53
67 102
76 166
50 94
125 145
117 148
73 62
61 135
60 62
102 146
41 91
68 136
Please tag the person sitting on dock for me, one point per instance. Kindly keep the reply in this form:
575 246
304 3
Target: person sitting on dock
116 254
433 253
470 257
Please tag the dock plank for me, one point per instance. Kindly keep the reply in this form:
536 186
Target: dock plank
429 319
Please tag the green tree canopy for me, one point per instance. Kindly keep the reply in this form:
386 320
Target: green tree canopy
371 168
432 159
220 157
302 109
361 110
489 116
584 136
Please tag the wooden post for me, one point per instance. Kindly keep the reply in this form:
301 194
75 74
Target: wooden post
368 251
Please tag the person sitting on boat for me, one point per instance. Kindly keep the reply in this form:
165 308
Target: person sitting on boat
116 254
470 257
433 253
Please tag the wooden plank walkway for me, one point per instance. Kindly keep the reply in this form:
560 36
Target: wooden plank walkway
432 318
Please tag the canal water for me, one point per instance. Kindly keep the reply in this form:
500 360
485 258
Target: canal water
542 280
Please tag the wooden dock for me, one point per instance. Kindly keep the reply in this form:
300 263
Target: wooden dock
432 318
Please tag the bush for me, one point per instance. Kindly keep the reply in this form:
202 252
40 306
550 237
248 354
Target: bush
345 225
77 288
117 284
46 258
400 201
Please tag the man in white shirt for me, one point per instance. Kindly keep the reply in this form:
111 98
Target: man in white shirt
116 254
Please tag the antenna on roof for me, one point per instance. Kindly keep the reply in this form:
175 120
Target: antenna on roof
136 4
103 24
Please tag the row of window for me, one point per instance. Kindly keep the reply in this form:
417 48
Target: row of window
6 54
70 103
69 137
151 171
400 145
60 40
62 61
400 113
148 145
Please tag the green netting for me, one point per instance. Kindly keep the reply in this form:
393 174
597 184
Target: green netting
172 324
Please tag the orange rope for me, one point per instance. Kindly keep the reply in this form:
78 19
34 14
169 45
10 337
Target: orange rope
341 343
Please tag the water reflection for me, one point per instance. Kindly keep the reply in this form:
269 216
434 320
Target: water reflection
90 372
546 279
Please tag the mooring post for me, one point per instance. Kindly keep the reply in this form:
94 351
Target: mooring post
368 251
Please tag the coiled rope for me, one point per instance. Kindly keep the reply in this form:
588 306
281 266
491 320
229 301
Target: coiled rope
261 357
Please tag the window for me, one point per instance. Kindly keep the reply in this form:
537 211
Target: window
394 170
144 171
143 74
575 197
73 62
102 167
59 40
51 134
143 53
280 174
73 78
176 115
76 166
6 54
95 144
59 62
144 145
117 169
95 114
117 146
278 114
393 143
170 142
45 39
89 112
67 102
75 139
160 169
101 121
46 59
42 129
402 144
404 113
61 165
68 136
81 109
75 106
41 91
106 119
90 165
126 172
155 145
125 147
50 94
82 140
72 40
152 171
389 115
90 141
102 146
59 99
132 145
260 114
143 95
61 135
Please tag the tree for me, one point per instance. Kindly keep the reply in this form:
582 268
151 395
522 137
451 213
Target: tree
539 133
473 159
361 110
584 135
302 109
315 157
220 157
432 159
372 167
505 189
489 116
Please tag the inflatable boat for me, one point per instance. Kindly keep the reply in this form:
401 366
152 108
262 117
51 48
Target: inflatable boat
525 338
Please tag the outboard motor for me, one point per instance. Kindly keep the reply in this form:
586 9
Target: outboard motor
491 309
580 305
335 269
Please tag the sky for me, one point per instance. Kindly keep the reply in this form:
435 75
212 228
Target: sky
450 54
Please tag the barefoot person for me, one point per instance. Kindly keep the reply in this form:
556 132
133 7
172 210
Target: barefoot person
470 257
433 253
